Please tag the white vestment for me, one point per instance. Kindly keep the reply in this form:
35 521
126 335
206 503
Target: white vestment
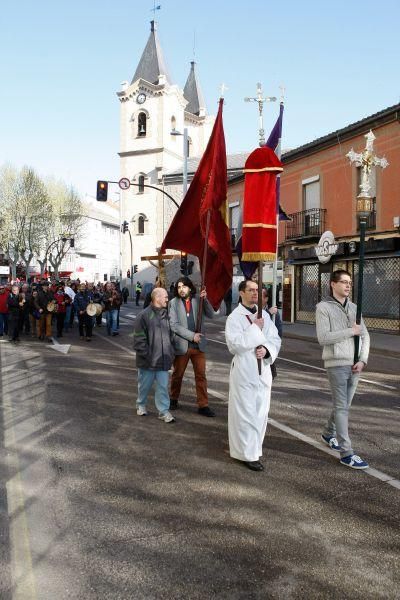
249 392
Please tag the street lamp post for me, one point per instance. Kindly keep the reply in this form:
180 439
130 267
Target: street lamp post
125 228
366 160
185 158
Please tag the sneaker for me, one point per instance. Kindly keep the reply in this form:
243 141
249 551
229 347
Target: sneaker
354 461
167 417
141 411
206 411
330 441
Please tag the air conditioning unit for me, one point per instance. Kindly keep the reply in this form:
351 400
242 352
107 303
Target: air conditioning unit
396 221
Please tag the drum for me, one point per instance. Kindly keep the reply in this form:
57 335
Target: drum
99 308
51 306
91 309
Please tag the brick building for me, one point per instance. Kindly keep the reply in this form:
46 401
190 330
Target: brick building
318 190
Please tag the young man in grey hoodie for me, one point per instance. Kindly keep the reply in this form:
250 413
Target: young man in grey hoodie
336 328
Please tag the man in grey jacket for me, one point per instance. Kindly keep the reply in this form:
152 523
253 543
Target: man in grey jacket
153 343
189 344
336 328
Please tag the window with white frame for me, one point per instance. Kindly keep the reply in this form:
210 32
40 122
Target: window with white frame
140 224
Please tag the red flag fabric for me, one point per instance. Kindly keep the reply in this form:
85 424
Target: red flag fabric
207 194
259 234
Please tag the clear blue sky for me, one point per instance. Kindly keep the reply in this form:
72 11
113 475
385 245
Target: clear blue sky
62 63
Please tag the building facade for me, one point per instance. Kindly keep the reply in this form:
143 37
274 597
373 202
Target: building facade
154 112
319 188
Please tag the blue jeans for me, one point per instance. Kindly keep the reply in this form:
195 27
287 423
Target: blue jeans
161 396
3 323
343 385
67 317
111 320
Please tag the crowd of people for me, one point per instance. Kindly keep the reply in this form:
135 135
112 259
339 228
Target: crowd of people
40 309
170 332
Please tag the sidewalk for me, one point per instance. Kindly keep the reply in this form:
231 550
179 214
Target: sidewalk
383 343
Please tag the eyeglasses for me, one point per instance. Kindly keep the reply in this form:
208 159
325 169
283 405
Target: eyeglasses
344 281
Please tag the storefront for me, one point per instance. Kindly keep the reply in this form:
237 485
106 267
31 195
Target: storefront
381 286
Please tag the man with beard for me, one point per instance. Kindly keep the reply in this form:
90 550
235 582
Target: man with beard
189 344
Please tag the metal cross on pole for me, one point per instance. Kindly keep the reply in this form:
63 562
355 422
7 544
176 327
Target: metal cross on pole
260 99
366 160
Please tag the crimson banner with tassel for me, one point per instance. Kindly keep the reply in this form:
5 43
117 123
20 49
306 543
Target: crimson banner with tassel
259 234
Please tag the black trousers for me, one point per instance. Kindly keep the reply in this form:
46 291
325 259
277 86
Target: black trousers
13 326
60 323
85 323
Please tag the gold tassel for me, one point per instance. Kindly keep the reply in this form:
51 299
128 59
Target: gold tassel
257 256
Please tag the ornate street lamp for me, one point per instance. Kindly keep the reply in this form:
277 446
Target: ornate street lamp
366 160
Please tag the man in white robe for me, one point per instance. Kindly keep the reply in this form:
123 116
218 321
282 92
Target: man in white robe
249 338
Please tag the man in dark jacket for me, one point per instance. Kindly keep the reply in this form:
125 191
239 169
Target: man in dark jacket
81 301
14 307
43 299
153 343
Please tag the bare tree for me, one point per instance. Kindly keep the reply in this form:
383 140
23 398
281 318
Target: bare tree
11 219
37 208
66 223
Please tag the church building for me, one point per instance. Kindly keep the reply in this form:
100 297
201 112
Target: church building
154 113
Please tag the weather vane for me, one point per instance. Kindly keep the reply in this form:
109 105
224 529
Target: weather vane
155 8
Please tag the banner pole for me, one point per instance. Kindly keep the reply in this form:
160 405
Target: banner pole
259 312
203 273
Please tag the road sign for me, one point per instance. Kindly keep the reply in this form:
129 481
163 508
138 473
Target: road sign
124 183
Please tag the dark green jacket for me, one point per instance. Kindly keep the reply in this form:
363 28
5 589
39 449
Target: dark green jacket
153 340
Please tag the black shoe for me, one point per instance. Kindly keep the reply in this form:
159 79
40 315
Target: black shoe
206 411
173 405
255 465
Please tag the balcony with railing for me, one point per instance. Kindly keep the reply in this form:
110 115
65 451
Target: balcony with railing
306 224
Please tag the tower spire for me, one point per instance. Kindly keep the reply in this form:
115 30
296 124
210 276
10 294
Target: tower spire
152 63
193 94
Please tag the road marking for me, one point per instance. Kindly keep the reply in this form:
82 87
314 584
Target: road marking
301 436
23 581
63 348
295 362
117 345
307 440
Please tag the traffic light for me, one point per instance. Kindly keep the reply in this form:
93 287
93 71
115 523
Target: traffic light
72 243
102 191
190 267
184 263
124 226
135 268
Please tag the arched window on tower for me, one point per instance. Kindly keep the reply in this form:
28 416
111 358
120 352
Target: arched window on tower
140 224
142 124
173 124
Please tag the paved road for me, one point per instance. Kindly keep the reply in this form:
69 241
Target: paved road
99 503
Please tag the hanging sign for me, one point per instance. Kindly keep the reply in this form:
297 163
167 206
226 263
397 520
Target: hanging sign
327 247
